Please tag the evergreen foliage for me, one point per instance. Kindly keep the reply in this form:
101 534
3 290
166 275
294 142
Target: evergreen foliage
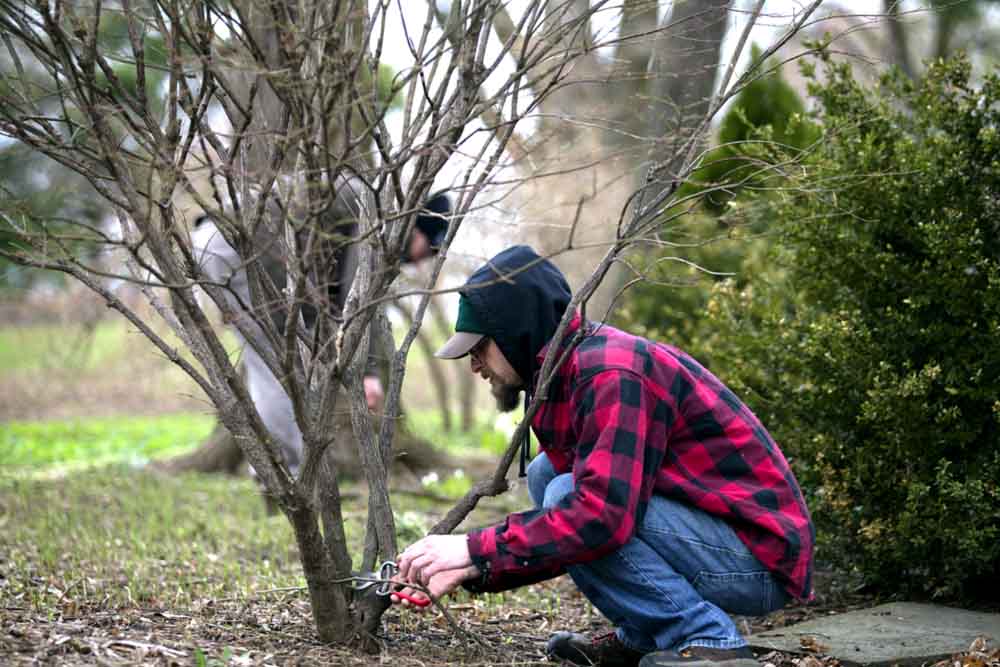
875 358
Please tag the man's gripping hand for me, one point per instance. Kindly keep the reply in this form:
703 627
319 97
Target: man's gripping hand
439 563
440 584
420 561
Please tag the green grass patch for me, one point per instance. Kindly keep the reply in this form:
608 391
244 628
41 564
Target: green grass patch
427 424
117 538
77 538
90 442
453 485
117 535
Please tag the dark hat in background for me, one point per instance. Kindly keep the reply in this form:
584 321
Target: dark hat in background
469 330
433 218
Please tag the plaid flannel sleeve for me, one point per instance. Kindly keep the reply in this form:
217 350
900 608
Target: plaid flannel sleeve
620 425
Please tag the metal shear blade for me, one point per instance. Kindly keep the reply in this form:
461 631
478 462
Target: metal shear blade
381 579
385 585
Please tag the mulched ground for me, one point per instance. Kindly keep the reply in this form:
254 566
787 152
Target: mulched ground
277 629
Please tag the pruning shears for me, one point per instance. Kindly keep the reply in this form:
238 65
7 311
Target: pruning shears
385 585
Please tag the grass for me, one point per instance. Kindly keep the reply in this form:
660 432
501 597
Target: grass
69 444
76 533
78 513
192 564
90 536
107 367
117 536
108 342
120 536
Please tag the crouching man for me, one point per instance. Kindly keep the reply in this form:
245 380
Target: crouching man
656 489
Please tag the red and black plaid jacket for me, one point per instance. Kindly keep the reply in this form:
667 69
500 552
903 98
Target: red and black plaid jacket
630 417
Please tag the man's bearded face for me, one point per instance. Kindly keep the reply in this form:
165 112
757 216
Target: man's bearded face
507 396
488 361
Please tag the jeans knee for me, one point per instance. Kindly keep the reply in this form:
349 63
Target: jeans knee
539 473
560 486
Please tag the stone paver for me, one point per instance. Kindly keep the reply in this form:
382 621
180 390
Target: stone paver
904 633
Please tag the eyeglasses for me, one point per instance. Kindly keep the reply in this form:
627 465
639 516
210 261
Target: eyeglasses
476 352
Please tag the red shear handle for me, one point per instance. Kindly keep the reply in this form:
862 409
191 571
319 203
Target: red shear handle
420 602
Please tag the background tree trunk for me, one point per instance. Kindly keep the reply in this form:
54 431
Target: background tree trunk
467 384
898 42
219 453
435 372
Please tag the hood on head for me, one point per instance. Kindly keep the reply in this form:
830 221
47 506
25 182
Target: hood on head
519 297
433 218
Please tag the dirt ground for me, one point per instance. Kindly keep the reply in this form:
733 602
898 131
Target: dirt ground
277 629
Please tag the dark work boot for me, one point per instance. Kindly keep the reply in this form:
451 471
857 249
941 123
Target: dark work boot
606 650
701 656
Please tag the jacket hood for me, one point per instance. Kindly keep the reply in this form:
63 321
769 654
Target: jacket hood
520 298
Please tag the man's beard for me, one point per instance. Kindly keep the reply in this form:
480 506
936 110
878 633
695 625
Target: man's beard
507 396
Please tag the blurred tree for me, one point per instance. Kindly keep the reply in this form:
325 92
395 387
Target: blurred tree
636 94
37 187
948 21
765 128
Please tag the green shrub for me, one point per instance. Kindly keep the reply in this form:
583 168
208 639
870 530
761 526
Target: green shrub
670 305
766 126
876 360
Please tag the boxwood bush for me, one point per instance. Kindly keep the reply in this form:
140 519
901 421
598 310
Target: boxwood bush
866 331
876 358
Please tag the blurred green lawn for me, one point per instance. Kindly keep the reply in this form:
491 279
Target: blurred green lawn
94 442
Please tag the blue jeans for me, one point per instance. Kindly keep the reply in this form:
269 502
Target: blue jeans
668 586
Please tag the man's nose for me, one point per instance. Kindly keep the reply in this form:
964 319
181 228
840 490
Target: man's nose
474 363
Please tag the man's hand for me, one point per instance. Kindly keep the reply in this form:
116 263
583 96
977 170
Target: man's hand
420 561
374 392
441 584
